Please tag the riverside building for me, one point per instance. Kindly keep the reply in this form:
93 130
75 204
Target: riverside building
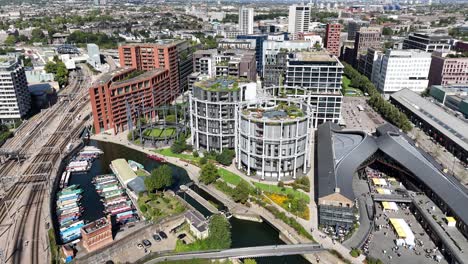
212 111
273 137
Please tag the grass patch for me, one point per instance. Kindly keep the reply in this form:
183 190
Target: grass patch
157 206
167 152
282 190
141 173
54 249
349 90
160 133
229 177
285 203
198 245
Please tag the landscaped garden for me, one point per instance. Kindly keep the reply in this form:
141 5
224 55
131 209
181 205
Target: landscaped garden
348 90
160 205
160 133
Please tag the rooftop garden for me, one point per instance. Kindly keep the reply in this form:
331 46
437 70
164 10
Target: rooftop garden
227 84
131 75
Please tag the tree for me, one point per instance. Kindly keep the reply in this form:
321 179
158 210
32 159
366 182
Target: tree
208 173
162 177
10 40
179 145
225 157
386 31
171 118
219 233
241 192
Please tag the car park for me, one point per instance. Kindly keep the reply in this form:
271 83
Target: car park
162 235
157 238
146 242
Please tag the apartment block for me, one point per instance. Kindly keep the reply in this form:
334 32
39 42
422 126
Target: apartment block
355 26
150 56
246 20
400 69
213 104
332 39
120 97
15 99
320 75
448 69
299 19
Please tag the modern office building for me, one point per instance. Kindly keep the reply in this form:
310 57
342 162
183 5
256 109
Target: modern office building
273 137
448 69
150 56
15 99
94 55
259 39
212 111
332 38
231 43
275 56
120 97
428 42
448 130
246 20
319 74
355 26
454 97
402 69
367 37
299 19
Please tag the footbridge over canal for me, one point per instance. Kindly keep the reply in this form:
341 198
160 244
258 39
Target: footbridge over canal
246 252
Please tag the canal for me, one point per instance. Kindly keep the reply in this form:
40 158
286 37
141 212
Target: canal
244 233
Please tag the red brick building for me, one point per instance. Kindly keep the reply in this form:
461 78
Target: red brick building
447 69
97 234
122 93
332 39
150 56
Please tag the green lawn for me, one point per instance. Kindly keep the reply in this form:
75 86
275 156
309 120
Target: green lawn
349 90
167 152
159 206
287 190
160 133
141 173
229 177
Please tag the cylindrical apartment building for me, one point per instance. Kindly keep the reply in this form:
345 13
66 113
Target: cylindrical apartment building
212 111
273 137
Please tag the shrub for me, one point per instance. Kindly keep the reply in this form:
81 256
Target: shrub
143 208
281 184
355 252
195 154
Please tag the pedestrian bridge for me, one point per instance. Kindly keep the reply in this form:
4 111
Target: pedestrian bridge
246 252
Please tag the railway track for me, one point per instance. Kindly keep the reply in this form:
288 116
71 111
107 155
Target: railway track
40 173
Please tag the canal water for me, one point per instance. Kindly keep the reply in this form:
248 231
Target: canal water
244 233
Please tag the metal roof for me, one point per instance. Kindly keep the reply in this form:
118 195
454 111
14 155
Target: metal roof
334 174
449 125
123 170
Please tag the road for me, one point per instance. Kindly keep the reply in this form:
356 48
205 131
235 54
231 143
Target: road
24 207
247 252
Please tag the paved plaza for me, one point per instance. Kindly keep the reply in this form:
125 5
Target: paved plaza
367 120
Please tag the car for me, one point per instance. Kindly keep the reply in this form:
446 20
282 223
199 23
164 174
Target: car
157 238
162 235
140 246
181 236
146 242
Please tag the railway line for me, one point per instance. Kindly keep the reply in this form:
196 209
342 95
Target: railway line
35 181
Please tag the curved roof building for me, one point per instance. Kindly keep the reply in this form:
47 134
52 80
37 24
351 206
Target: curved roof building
341 153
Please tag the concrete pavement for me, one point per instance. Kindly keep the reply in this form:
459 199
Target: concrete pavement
248 252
